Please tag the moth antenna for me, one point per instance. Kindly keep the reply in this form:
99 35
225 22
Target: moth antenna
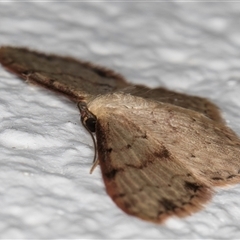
95 164
95 158
85 115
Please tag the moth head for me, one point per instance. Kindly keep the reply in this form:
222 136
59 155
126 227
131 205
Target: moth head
88 119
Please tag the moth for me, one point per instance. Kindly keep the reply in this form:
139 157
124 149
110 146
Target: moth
161 153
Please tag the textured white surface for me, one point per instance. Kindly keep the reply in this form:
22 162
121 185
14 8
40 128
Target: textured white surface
46 190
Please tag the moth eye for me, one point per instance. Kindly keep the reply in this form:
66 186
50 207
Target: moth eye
91 124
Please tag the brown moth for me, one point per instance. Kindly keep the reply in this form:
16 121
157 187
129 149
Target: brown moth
160 152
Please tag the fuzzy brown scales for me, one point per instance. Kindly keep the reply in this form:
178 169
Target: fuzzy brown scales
86 79
160 152
149 189
154 202
162 160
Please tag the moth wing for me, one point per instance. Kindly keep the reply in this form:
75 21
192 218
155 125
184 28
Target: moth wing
82 80
194 103
209 149
77 79
151 153
141 176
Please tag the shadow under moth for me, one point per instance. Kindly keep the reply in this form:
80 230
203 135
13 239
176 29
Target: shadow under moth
160 152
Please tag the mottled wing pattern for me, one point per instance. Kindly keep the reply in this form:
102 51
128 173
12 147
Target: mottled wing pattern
158 159
209 149
77 79
141 176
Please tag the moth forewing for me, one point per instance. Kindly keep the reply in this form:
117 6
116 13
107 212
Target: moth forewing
142 177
